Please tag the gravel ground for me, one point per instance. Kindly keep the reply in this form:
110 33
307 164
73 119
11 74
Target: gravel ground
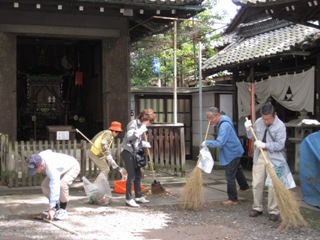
212 221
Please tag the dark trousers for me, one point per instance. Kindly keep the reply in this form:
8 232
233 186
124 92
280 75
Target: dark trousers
134 176
234 172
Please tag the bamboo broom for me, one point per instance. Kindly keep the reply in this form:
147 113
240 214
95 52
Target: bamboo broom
156 187
287 202
192 196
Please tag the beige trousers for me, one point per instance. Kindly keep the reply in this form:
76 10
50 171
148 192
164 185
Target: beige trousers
101 163
259 175
65 181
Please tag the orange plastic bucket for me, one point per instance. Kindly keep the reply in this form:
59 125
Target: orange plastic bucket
120 187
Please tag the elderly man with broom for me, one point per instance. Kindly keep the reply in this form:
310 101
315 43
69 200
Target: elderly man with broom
270 136
231 151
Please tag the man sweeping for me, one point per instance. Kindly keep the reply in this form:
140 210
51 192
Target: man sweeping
271 137
231 151
61 170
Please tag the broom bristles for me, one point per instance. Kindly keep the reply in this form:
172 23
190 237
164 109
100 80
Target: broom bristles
287 203
192 196
157 188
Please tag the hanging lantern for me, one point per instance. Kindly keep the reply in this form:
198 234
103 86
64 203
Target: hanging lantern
78 78
78 74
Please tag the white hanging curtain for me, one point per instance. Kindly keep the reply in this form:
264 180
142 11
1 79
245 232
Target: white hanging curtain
293 91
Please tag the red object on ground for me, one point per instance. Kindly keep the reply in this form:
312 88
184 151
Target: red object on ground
120 187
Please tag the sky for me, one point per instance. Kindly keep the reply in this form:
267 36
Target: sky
227 5
230 7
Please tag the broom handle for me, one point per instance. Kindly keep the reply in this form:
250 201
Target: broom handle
205 138
148 151
208 127
255 138
78 131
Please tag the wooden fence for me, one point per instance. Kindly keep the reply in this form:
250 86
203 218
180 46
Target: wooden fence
167 154
168 147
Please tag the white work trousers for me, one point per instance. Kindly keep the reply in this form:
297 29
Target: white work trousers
259 174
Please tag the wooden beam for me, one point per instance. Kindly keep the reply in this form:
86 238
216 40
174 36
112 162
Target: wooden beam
59 30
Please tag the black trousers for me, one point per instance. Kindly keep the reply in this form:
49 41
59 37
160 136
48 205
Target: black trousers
134 176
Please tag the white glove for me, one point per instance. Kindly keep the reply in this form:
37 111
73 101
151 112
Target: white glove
141 130
145 144
248 124
259 144
124 173
203 144
110 158
111 162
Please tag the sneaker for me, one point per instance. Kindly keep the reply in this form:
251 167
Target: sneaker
255 213
132 203
243 190
142 200
229 202
61 214
273 217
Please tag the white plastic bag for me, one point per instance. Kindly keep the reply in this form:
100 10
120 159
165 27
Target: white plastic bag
284 174
206 161
98 192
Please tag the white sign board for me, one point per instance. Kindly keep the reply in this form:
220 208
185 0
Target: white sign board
62 135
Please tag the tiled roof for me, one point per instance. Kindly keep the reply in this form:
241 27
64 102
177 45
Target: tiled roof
249 29
268 44
298 11
225 40
145 17
260 1
161 2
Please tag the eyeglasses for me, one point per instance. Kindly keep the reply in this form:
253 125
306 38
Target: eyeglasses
212 117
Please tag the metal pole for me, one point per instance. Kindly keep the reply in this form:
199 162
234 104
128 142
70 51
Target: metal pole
175 74
200 94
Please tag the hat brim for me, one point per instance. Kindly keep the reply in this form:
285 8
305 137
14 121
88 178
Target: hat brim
115 129
32 171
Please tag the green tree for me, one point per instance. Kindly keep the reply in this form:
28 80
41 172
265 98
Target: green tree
160 47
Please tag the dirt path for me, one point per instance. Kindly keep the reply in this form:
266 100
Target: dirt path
213 221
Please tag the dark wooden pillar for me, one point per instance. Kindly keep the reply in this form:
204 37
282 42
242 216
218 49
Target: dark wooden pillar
8 98
317 90
235 78
116 81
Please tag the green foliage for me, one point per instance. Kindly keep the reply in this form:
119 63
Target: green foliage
141 69
189 33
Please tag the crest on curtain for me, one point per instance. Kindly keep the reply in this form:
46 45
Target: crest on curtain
293 91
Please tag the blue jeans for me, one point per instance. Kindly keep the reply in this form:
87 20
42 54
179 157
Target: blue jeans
134 176
234 172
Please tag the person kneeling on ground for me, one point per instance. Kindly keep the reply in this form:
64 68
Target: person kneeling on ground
61 170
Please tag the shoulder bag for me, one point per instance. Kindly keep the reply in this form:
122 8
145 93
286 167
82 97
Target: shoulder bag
139 157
